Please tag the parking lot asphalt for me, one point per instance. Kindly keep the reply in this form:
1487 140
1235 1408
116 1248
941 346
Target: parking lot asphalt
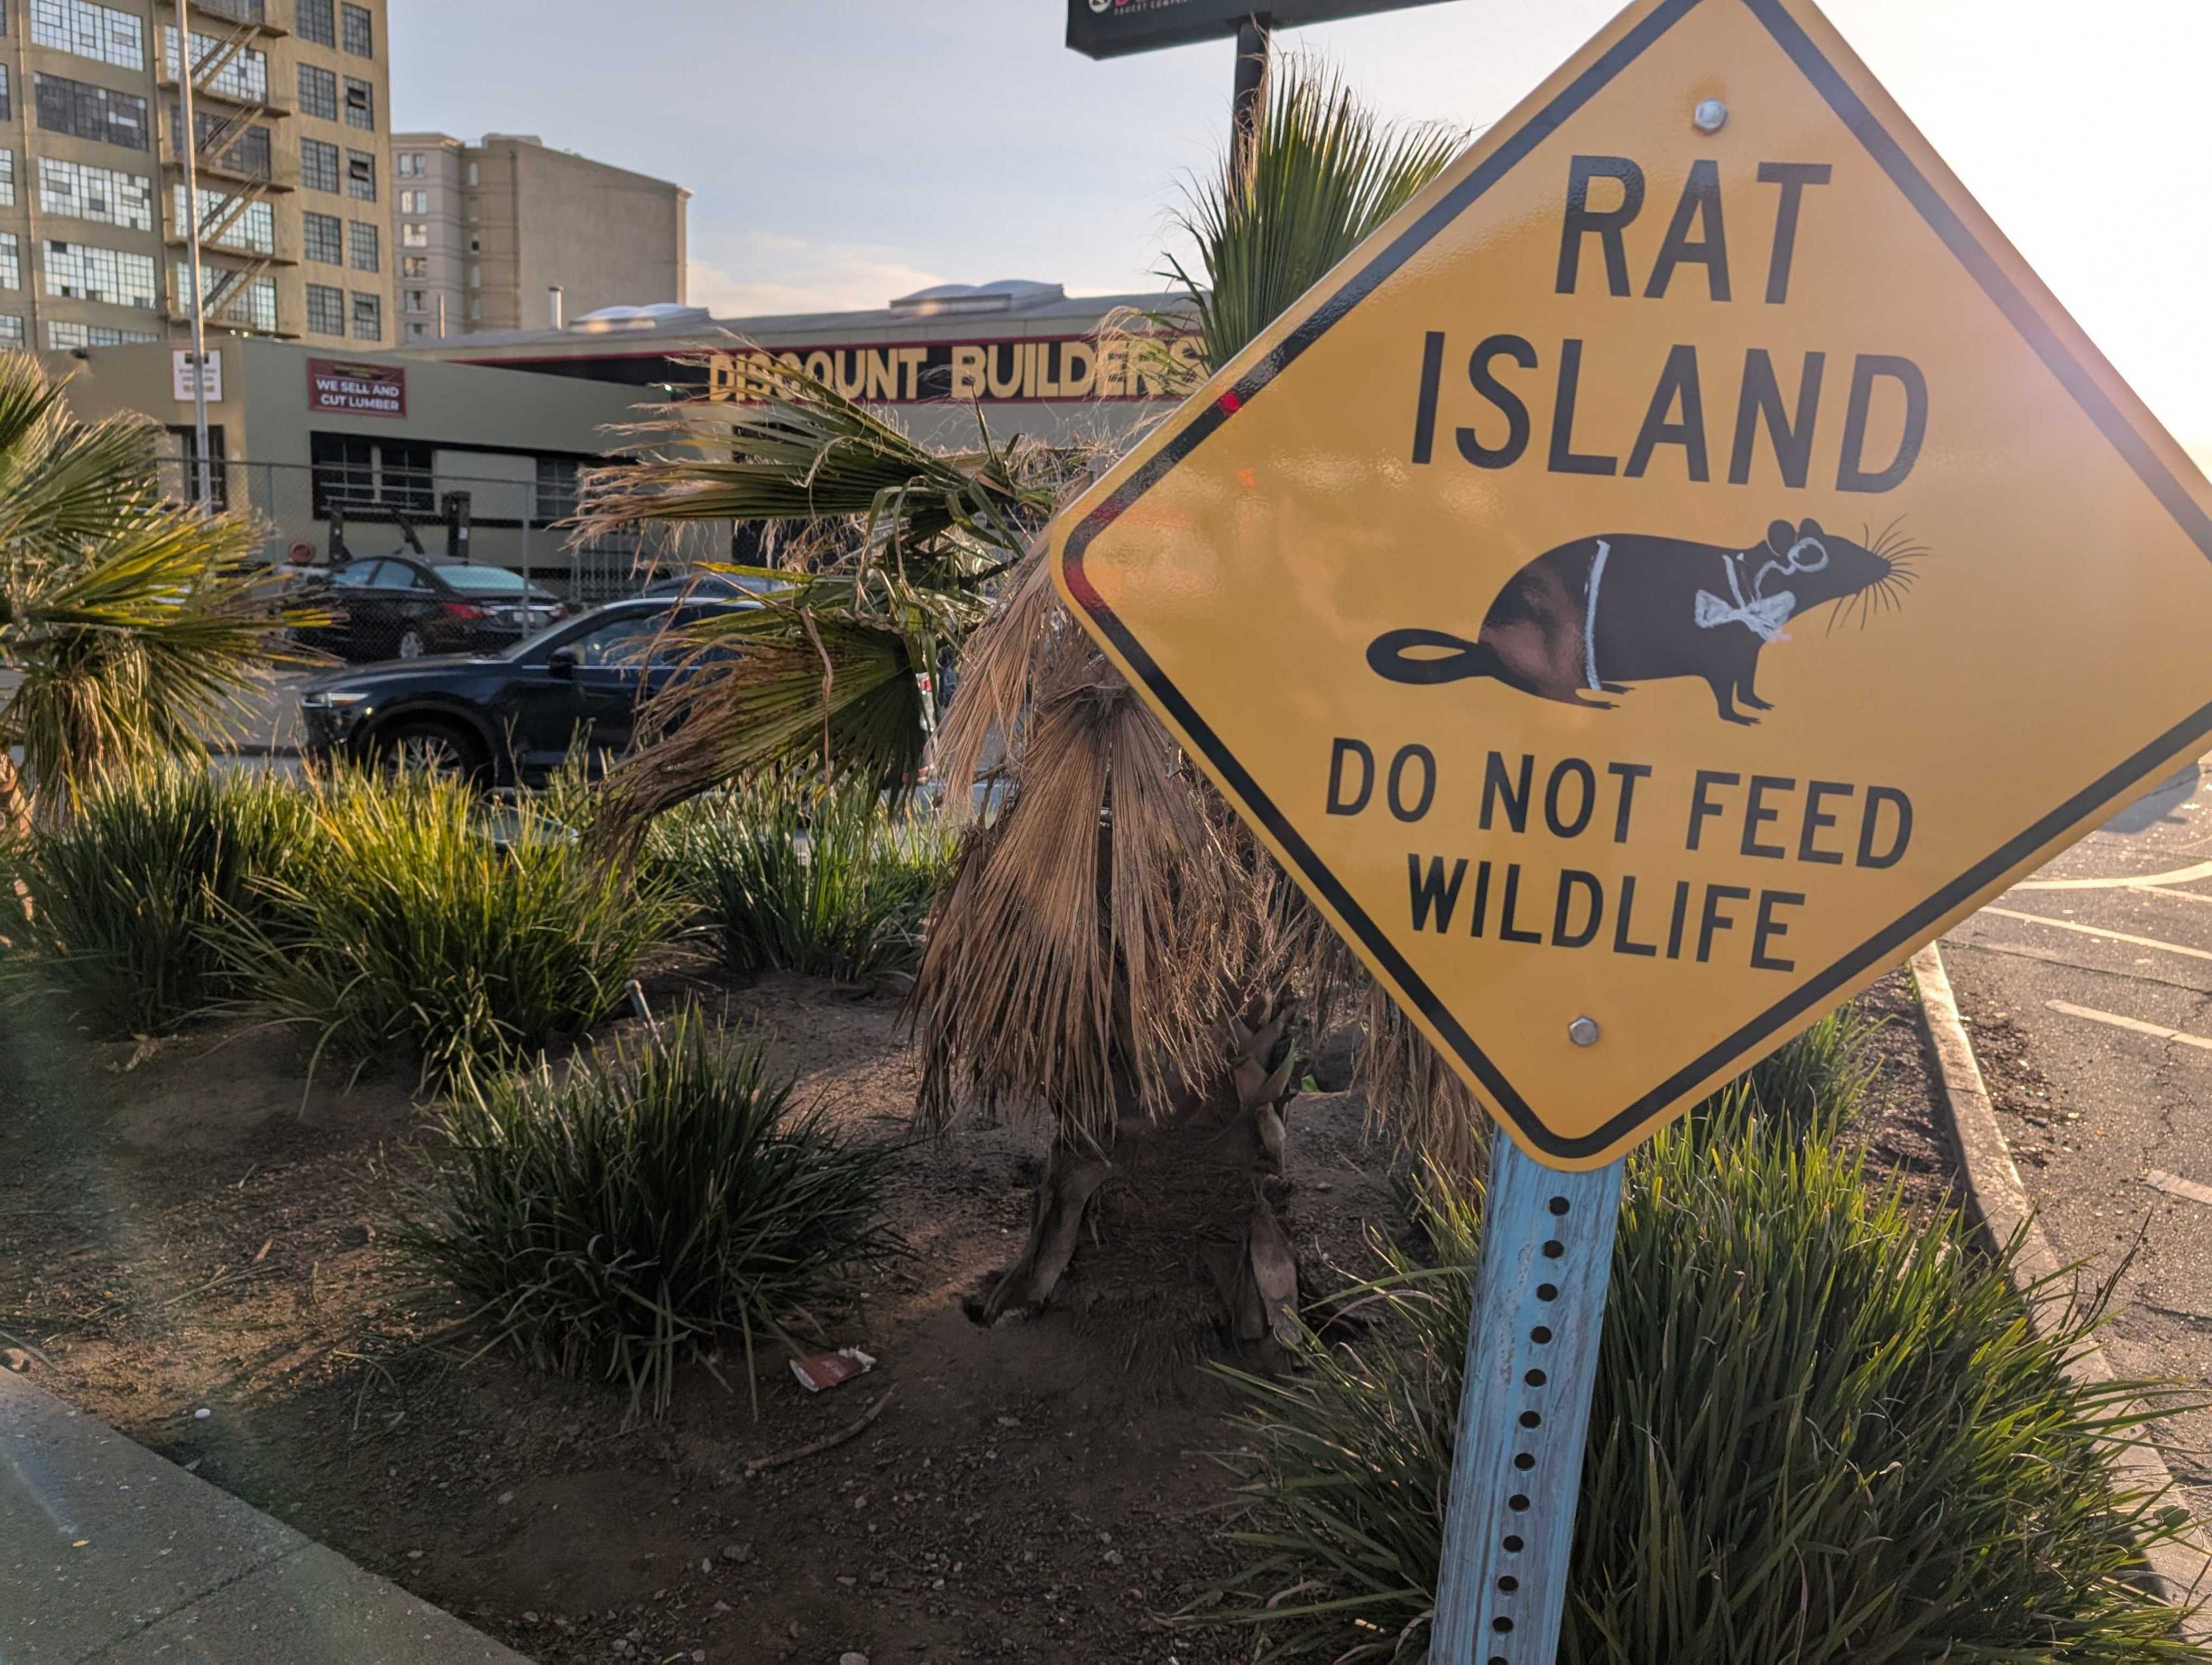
2088 990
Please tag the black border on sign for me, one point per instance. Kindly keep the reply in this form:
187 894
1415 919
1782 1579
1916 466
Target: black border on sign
1985 269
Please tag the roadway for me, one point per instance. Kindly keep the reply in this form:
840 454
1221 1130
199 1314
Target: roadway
2087 989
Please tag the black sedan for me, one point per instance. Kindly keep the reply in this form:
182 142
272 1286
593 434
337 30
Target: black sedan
504 719
404 606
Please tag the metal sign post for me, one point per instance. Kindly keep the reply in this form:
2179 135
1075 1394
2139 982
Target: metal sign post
188 143
1532 1350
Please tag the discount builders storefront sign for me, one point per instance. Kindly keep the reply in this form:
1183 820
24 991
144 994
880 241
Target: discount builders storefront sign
1139 367
349 388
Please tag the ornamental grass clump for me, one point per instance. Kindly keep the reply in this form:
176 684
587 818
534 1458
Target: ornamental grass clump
127 900
423 927
789 874
1822 1432
664 1202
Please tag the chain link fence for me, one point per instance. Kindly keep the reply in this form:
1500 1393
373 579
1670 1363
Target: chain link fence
320 513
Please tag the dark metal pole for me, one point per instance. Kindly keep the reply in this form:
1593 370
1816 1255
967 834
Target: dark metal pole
1249 104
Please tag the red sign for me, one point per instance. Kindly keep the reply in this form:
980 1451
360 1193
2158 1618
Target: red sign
356 390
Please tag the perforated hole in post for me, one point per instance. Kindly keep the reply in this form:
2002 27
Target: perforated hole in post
1534 1376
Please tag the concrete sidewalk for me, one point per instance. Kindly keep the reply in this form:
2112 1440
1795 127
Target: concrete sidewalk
108 1553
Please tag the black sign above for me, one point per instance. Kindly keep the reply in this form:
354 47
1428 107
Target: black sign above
1110 28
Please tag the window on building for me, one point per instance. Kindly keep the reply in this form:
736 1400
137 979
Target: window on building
367 317
412 165
63 337
100 33
247 152
83 271
325 309
414 332
415 301
11 327
87 111
7 173
319 165
472 173
360 103
413 265
358 472
7 99
476 278
556 488
188 461
414 234
316 21
106 196
361 242
359 28
226 222
231 298
414 202
476 246
11 262
244 74
319 93
475 309
360 176
322 237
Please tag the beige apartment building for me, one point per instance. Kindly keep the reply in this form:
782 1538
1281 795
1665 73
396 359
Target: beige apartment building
291 100
487 233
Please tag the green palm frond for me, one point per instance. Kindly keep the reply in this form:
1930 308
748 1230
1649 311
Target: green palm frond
135 625
804 452
1325 172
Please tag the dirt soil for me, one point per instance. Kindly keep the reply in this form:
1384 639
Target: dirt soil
183 1227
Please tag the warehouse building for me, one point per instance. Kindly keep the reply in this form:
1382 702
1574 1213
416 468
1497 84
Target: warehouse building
291 104
509 232
358 453
1027 356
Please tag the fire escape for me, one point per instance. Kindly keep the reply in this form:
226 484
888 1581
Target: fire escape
236 162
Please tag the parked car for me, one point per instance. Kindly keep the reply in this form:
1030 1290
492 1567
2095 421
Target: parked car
405 606
704 584
505 719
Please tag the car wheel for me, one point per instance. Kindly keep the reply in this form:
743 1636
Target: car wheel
411 644
434 748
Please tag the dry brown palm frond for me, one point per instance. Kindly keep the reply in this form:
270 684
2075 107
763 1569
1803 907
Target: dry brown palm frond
1072 964
1027 643
1411 1090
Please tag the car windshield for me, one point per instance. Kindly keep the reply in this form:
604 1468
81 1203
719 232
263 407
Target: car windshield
483 581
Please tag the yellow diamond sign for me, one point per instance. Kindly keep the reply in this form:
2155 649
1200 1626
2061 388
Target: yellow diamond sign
1670 572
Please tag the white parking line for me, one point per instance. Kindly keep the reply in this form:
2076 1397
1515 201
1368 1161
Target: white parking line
2099 930
2179 896
2158 1031
2179 876
2176 1186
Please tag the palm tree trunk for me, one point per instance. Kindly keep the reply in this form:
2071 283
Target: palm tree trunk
1185 1213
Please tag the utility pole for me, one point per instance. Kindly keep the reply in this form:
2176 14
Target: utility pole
1248 105
189 142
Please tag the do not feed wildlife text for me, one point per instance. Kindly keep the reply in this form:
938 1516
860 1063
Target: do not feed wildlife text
1811 824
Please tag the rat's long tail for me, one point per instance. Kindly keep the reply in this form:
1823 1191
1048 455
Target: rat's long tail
1431 656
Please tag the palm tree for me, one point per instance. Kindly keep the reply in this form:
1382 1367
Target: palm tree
128 622
1113 950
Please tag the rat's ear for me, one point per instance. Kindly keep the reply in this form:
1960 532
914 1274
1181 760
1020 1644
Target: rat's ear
1779 537
1810 529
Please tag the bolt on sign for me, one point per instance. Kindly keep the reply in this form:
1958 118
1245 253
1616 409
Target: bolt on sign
1675 569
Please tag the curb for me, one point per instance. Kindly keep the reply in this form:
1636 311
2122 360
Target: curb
1998 1203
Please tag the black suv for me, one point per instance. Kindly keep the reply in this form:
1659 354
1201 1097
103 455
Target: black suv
403 607
505 719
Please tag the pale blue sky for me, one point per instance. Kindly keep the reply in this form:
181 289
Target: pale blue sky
844 151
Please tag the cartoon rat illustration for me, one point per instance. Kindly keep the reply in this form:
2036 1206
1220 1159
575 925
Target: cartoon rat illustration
1601 613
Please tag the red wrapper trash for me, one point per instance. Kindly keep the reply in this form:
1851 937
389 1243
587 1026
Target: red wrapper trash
817 1370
